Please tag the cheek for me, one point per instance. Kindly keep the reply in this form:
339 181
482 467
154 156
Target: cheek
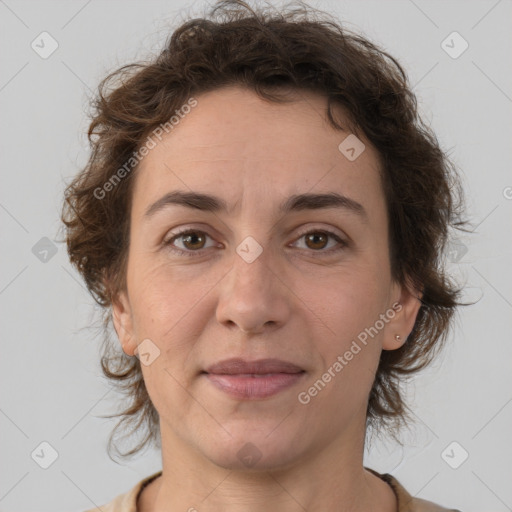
351 297
169 303
350 308
348 305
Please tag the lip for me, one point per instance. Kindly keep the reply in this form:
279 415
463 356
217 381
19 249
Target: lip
238 365
253 380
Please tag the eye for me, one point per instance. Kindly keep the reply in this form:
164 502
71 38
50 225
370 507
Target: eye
192 240
318 240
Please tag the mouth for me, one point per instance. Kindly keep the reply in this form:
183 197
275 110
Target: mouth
253 380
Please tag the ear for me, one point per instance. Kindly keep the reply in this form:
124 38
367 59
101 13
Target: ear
406 309
123 323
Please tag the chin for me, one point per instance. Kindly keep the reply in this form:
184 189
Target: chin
254 452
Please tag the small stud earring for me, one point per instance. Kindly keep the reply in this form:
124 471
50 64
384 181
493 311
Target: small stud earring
398 337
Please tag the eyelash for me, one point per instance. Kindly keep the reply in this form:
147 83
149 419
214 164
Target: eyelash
190 253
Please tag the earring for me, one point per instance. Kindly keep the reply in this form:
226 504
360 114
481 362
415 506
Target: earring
398 337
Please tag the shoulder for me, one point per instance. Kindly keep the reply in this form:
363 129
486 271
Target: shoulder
408 503
126 502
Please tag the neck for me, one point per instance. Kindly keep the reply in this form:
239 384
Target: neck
331 479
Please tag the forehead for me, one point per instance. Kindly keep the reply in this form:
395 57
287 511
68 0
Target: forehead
237 145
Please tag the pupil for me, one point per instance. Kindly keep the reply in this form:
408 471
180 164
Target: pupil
190 237
315 236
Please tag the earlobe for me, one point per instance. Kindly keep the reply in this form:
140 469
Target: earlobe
406 312
123 325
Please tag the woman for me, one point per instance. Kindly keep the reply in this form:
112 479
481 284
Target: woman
262 218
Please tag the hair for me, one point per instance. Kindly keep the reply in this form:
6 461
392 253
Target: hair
298 48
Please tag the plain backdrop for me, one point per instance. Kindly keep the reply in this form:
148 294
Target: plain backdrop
52 388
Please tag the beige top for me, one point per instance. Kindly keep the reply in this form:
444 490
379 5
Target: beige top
127 502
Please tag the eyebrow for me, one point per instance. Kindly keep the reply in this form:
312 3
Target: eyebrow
294 203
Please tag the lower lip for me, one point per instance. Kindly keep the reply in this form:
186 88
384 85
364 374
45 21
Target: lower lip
250 387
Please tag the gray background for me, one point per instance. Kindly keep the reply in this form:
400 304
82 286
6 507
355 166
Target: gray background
52 389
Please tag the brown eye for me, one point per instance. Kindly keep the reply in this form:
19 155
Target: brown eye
316 240
194 240
322 242
188 242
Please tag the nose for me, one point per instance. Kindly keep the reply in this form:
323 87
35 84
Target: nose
254 297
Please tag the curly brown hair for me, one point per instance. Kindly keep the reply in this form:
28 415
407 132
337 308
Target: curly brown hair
297 48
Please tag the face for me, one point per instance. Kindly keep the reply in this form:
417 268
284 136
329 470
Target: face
259 274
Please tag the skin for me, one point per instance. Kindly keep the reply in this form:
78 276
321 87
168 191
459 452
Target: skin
298 301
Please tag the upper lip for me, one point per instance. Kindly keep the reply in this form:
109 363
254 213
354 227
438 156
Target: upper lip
261 366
